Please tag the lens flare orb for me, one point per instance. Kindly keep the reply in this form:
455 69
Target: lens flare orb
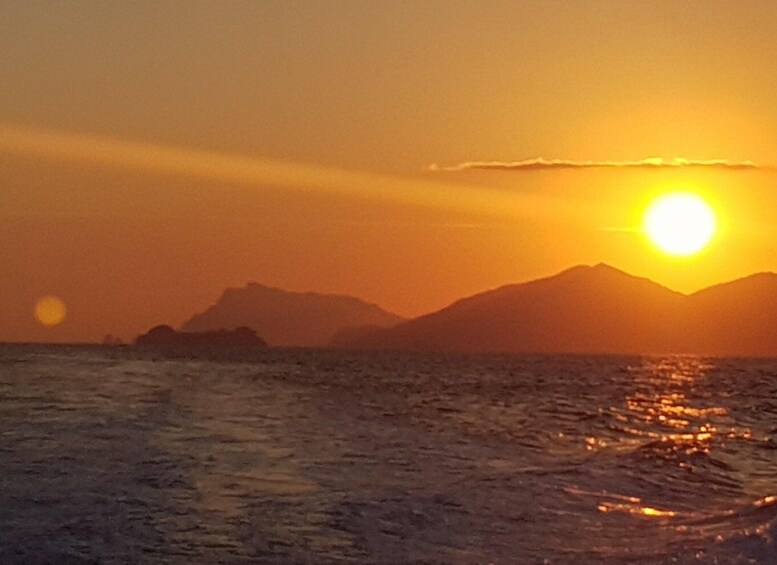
50 311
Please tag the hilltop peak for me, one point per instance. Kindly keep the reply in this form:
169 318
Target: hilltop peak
597 270
606 267
598 267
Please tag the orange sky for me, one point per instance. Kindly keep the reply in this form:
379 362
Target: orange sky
152 154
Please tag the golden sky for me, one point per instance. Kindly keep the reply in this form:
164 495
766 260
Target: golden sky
409 153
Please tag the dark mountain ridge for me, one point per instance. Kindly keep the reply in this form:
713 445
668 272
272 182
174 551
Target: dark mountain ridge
735 318
597 309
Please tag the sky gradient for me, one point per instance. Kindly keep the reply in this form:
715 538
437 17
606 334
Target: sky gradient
154 153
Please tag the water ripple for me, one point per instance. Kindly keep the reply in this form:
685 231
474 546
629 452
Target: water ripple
300 456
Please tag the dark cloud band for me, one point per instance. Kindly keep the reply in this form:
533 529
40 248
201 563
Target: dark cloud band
541 164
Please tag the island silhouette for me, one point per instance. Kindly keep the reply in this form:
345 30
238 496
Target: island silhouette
291 319
166 337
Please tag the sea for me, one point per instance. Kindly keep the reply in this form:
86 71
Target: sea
111 454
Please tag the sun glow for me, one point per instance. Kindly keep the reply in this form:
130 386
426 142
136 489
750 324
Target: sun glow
680 223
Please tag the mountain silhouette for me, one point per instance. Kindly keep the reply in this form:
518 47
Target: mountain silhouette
596 309
285 318
735 318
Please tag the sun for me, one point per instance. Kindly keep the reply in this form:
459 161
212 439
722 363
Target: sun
680 223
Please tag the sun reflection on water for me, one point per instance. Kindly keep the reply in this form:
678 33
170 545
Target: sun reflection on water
670 423
636 509
659 407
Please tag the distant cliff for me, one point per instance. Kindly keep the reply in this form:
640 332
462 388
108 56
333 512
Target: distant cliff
165 336
596 309
287 318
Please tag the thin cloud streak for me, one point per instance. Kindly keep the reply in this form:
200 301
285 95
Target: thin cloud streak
258 174
541 164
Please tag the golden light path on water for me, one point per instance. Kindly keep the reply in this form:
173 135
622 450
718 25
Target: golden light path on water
658 425
670 454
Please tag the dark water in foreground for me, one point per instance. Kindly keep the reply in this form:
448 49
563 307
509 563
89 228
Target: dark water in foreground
108 455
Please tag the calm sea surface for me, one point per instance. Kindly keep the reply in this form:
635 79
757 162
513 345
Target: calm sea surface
110 455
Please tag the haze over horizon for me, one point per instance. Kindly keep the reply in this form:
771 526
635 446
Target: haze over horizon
154 154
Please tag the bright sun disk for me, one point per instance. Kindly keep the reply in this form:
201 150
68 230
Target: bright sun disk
680 223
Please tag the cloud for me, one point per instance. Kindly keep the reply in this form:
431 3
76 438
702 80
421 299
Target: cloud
258 174
541 164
